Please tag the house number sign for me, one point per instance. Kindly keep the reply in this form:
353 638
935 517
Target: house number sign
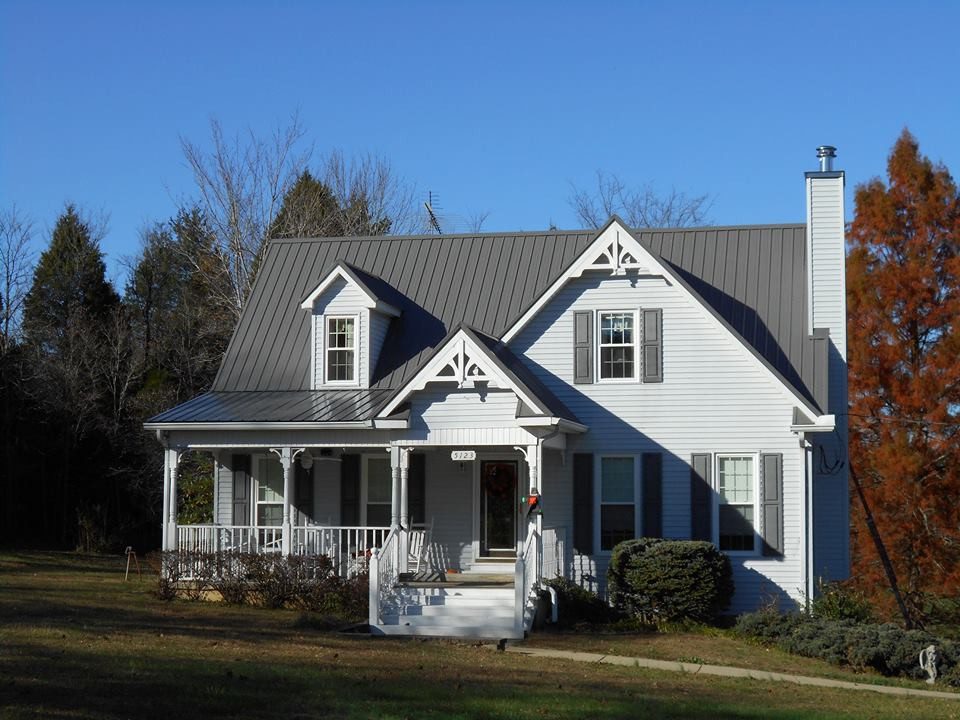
462 455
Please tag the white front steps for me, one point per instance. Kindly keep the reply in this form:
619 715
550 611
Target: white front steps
452 611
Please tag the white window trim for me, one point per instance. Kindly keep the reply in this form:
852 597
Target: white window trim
598 497
255 488
756 509
326 318
635 312
364 484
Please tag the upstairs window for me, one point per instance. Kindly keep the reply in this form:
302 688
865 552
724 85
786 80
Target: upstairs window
618 346
341 352
735 488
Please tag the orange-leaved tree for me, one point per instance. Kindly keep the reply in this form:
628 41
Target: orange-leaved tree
903 292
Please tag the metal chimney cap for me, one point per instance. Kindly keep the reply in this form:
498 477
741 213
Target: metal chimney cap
826 154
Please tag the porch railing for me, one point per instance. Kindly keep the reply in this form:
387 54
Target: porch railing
554 552
384 572
525 581
347 547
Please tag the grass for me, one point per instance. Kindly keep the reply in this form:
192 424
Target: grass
78 642
710 646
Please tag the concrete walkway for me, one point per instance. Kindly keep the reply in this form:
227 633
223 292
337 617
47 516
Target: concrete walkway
721 671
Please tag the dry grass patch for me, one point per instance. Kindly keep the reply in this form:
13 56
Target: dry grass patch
77 642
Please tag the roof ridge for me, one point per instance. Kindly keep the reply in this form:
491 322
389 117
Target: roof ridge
530 233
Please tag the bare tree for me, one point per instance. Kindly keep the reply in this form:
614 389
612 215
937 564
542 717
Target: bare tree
16 272
371 198
241 183
476 221
639 207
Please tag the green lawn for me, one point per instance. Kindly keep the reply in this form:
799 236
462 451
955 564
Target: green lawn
78 642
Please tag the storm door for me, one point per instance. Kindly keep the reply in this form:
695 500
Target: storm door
498 508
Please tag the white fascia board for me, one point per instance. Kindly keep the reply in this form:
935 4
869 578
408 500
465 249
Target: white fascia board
431 373
568 426
649 266
821 424
341 272
360 425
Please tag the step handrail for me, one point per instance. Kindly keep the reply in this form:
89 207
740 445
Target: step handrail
384 572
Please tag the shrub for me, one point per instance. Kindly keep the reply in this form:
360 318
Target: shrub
272 578
841 601
168 579
887 648
231 579
577 605
768 624
670 580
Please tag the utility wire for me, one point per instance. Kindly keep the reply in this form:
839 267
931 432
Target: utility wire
911 421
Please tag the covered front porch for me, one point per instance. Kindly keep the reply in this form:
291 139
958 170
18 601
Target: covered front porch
418 518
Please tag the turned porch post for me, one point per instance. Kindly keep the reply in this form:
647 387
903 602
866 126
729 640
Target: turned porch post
173 464
404 509
165 510
394 486
286 461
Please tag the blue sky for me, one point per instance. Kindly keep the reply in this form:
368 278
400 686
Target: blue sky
494 106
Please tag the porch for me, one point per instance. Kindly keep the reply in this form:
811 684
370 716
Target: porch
459 554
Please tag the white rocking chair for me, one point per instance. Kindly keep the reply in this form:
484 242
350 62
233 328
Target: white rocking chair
418 544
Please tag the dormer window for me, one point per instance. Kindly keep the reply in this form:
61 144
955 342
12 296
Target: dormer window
341 349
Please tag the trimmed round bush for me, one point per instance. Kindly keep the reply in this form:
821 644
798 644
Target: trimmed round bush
669 580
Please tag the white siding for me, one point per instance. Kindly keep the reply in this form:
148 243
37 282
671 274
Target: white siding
438 409
449 505
341 298
223 502
379 324
713 398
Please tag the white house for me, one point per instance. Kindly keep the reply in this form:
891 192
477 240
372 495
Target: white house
383 391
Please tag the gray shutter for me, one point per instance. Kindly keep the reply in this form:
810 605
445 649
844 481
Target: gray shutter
241 489
350 490
416 489
303 494
652 352
771 503
701 497
652 495
582 348
583 503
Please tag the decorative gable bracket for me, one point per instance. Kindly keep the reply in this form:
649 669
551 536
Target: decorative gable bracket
467 363
613 254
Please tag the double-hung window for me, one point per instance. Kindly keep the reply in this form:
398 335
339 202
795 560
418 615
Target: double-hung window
736 496
379 492
618 345
341 349
617 501
269 492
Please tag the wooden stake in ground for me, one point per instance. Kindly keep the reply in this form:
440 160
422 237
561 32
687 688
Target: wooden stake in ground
132 554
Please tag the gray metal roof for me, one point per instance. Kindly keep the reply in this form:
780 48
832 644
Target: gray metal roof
753 277
276 406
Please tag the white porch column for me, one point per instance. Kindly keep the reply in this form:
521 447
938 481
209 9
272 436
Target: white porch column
173 465
216 487
404 509
394 486
165 510
286 461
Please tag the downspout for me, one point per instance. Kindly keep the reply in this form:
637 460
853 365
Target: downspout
808 462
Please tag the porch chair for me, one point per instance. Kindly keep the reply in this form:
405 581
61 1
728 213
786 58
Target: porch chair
419 542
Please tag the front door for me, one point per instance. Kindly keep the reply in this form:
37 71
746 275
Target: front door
498 508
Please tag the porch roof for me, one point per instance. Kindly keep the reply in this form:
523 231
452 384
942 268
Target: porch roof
276 406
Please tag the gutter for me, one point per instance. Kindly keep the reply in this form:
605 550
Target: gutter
391 424
561 424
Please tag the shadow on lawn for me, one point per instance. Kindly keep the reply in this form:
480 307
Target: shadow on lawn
90 684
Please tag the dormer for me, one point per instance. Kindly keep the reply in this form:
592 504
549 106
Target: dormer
349 323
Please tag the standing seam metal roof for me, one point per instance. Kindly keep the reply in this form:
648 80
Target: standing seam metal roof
754 277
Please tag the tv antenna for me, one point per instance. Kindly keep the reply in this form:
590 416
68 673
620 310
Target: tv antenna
431 215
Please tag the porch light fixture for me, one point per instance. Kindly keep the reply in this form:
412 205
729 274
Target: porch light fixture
306 460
